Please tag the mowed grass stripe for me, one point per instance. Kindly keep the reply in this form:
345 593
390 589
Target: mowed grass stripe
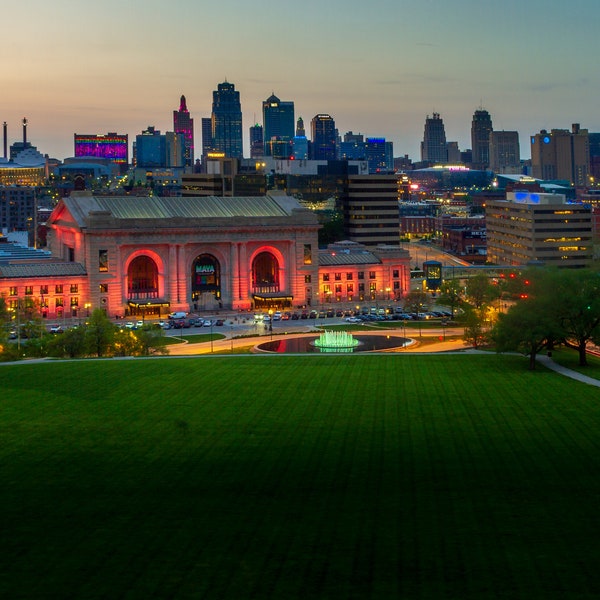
295 477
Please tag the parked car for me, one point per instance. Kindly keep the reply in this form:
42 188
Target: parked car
219 322
53 329
198 322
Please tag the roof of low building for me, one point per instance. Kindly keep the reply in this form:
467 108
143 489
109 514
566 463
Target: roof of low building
42 269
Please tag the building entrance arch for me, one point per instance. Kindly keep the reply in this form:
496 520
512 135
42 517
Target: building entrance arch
206 282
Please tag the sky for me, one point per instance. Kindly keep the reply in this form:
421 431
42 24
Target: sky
378 67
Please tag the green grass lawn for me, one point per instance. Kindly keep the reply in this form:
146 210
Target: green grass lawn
307 477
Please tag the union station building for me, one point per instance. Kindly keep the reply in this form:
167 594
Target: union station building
152 256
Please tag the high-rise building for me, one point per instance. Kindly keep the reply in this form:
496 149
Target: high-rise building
536 227
505 154
481 128
257 149
377 153
370 209
155 150
112 146
324 137
433 146
278 123
227 121
561 155
207 140
353 147
184 124
300 147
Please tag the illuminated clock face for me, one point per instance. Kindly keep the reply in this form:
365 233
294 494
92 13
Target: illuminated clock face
546 140
532 140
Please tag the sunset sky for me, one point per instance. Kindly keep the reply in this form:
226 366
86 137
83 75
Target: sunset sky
379 67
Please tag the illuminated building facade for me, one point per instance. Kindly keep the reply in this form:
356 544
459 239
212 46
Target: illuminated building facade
543 228
257 149
157 255
183 124
112 146
351 272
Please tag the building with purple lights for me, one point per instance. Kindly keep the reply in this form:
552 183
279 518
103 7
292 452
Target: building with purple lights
113 146
184 124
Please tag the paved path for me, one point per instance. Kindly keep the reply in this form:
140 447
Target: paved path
550 364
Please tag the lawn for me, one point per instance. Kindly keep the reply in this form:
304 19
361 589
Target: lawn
281 477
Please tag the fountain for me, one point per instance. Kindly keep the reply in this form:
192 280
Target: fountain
336 341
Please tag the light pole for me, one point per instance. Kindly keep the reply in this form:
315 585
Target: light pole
211 335
271 323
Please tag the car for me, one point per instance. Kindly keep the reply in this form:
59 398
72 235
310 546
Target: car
266 319
277 316
285 316
139 323
130 325
304 315
219 322
55 329
207 323
295 316
198 322
353 320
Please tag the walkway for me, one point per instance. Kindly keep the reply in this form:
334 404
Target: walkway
550 364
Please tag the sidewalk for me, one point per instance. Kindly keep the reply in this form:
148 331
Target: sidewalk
550 364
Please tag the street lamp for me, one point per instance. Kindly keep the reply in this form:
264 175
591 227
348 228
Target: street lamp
271 323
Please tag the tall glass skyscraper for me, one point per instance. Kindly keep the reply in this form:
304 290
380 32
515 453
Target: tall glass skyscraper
278 122
433 147
481 128
182 123
227 121
324 137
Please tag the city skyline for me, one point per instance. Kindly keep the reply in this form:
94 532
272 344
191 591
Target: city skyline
379 68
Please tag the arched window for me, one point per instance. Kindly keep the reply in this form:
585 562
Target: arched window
265 273
142 277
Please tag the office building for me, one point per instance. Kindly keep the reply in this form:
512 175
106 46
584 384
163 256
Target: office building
257 149
156 150
112 146
324 137
481 128
370 209
184 125
377 152
533 228
278 123
561 155
300 142
505 154
227 121
433 147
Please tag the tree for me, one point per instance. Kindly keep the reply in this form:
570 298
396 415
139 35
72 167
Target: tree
479 290
528 327
71 343
99 333
416 301
151 339
451 294
576 304
475 333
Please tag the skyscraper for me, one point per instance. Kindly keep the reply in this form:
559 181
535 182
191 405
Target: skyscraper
227 121
505 155
300 149
433 147
278 123
324 136
481 128
257 149
183 124
561 154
